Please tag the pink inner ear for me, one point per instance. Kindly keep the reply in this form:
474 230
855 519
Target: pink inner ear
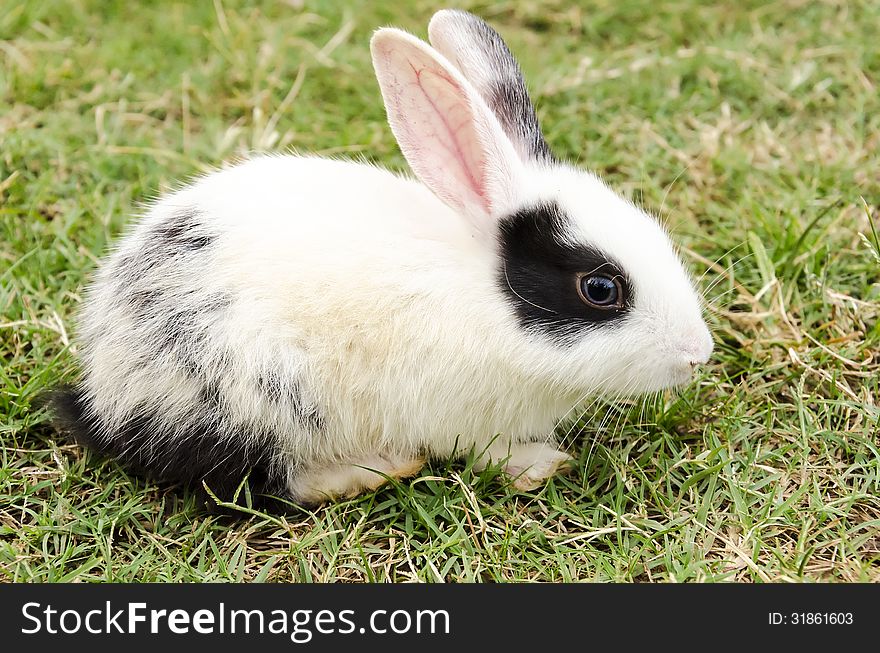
450 140
436 128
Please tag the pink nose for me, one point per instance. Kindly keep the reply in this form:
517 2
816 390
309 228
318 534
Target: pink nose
697 351
698 347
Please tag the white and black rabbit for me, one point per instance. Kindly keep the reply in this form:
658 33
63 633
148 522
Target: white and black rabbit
318 325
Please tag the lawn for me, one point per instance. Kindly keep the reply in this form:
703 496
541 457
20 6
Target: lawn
752 128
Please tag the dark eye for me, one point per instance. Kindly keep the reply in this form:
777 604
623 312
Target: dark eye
601 291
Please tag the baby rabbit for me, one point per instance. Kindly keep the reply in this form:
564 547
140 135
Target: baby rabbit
315 326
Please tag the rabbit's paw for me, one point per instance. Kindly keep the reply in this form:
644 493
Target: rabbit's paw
533 463
352 478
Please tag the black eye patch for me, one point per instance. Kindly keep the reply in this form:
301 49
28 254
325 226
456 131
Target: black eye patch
541 275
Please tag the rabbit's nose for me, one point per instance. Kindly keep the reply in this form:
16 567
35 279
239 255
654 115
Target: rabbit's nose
697 346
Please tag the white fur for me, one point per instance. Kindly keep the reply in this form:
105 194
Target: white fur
383 303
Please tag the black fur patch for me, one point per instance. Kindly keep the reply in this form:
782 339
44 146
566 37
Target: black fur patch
201 453
182 232
539 274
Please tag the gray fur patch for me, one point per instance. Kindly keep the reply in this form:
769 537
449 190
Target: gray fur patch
288 393
174 316
181 234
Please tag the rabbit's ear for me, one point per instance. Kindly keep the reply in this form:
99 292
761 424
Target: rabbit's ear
450 138
483 58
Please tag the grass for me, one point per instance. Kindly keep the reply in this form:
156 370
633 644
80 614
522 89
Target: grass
752 127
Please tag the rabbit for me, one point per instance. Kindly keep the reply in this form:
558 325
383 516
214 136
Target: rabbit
308 328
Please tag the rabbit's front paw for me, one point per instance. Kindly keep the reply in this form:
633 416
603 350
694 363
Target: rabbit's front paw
531 464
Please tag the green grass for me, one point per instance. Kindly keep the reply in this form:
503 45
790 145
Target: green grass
753 127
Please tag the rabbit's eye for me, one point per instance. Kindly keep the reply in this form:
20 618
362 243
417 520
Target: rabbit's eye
601 291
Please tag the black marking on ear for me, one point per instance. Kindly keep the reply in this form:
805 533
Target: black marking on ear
539 274
505 91
288 392
518 118
201 450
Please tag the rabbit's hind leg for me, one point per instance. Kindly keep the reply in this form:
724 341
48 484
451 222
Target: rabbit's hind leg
340 480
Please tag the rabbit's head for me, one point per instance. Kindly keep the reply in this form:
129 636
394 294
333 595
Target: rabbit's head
600 298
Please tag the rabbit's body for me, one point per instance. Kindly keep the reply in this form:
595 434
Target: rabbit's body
213 315
301 319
